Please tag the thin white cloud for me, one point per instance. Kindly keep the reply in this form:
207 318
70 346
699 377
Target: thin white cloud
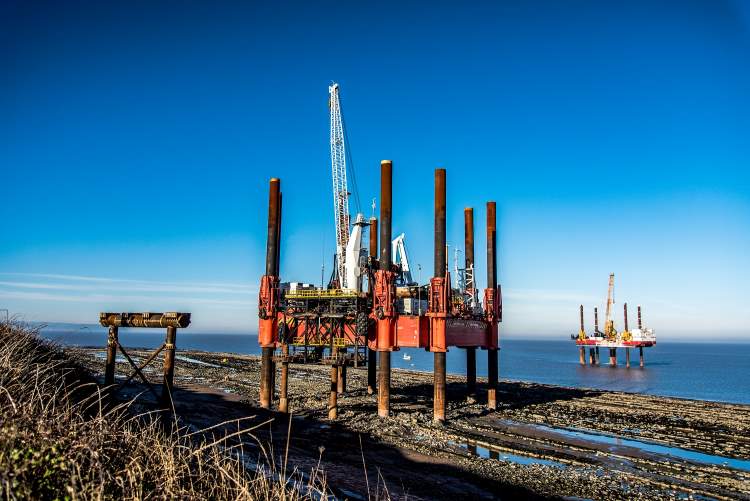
119 291
119 299
82 278
130 286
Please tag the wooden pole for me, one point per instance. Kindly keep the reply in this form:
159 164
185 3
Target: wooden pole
169 349
109 370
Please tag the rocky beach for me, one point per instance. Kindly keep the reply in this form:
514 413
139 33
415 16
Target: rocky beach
543 441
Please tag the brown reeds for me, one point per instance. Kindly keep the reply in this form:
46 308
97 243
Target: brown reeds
60 438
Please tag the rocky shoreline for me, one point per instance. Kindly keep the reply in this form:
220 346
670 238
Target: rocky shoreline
543 441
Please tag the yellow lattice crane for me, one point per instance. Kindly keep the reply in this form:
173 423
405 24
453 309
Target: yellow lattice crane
581 331
609 325
626 334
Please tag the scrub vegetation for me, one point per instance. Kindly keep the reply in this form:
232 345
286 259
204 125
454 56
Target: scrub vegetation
62 438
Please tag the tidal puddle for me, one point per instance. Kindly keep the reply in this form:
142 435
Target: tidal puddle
484 452
675 452
195 361
102 355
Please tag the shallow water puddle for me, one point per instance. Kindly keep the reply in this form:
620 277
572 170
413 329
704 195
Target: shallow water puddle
195 361
102 355
675 452
484 452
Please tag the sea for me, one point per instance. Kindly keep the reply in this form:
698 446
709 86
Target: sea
705 371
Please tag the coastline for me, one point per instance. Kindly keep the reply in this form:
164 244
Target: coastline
669 372
544 440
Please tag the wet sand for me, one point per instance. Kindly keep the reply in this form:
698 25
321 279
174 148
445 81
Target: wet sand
543 441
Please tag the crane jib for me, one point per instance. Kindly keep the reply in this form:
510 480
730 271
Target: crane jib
340 189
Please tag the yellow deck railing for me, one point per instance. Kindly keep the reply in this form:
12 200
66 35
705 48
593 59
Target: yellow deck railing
338 342
320 293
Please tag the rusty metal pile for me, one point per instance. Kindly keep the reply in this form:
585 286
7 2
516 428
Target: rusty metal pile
344 328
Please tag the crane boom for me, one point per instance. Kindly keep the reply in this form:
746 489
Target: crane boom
609 324
401 257
610 296
340 188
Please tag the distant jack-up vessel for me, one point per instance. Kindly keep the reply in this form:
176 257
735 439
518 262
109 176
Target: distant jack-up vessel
637 338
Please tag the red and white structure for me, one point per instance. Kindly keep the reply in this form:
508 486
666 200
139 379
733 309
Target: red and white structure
637 338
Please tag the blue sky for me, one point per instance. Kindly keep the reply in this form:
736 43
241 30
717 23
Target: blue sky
138 139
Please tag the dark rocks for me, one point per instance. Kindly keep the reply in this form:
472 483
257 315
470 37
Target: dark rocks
583 470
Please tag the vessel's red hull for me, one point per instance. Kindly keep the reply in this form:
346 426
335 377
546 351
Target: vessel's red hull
610 344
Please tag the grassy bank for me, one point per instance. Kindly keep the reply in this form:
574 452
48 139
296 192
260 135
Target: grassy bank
61 439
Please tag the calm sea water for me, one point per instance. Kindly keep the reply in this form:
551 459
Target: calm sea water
690 370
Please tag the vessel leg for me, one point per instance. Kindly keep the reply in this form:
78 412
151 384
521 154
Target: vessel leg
384 384
592 357
492 378
613 357
582 355
372 361
283 396
273 379
471 371
597 355
641 353
341 388
438 408
627 357
265 377
333 397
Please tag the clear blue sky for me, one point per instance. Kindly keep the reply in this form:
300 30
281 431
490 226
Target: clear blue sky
137 140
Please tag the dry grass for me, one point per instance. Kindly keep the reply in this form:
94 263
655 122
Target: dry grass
60 440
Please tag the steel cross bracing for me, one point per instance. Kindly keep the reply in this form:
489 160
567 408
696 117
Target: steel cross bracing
347 327
310 325
340 188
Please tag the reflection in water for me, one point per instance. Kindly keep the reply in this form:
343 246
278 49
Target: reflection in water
484 452
675 452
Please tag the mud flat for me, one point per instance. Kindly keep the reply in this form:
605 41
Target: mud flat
543 441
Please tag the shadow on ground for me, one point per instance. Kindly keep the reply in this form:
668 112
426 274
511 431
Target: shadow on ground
405 473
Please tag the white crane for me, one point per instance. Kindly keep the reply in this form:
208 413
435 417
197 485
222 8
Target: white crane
348 272
400 257
466 284
348 248
340 188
